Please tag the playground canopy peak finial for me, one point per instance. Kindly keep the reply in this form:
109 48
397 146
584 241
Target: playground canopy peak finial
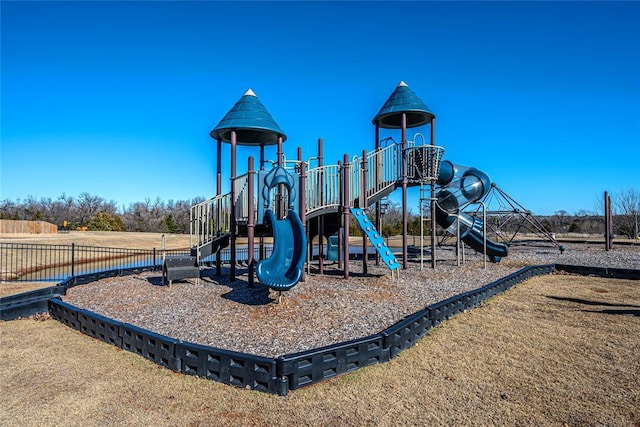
403 100
251 121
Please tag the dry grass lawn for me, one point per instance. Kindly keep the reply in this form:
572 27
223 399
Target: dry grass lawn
555 350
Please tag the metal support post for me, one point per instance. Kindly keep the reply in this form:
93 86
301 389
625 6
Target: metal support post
346 203
363 205
302 203
251 223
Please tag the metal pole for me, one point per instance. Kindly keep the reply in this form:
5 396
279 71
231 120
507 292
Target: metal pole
484 235
610 224
219 168
280 196
421 229
363 205
433 198
377 178
73 260
302 198
458 242
405 183
321 217
251 222
164 247
346 203
341 202
232 218
606 223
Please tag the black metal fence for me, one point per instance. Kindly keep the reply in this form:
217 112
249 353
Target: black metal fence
25 262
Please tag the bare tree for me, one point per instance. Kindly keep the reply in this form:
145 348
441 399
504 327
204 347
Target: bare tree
560 221
626 207
88 206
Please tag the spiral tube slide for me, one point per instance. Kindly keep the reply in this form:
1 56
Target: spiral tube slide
460 186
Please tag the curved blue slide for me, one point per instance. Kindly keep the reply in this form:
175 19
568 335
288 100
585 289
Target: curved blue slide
471 234
459 187
283 269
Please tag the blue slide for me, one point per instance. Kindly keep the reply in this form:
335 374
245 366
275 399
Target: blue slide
461 186
471 234
283 269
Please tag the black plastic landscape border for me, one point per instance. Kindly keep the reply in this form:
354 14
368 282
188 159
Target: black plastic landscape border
295 370
612 273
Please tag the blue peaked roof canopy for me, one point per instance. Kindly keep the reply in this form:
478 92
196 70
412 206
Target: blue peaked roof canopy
403 100
251 121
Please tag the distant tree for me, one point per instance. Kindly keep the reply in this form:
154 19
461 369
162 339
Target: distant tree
392 220
574 227
103 221
560 221
169 225
87 206
9 210
354 228
413 225
626 206
63 209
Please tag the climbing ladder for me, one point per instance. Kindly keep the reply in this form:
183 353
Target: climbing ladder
375 238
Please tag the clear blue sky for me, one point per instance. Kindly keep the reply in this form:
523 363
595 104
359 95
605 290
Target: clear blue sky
117 98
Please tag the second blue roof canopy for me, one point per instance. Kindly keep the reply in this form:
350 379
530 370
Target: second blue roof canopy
403 100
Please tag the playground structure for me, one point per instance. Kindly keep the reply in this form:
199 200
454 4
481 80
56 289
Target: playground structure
299 200
460 187
506 218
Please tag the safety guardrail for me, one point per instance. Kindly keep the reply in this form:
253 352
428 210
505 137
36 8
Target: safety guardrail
29 262
21 262
323 186
209 219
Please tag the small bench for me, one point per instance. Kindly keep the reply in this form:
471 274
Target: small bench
180 268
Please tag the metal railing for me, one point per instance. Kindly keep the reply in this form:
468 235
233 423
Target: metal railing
26 262
322 188
241 190
209 219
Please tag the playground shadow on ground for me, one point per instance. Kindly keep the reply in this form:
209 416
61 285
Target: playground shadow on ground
629 309
240 291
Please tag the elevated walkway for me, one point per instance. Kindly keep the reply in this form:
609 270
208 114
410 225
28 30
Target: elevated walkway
381 169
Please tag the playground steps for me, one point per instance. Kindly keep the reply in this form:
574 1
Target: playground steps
375 238
206 249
